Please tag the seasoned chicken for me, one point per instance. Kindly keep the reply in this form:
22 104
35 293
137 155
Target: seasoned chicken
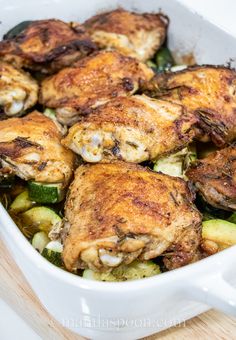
117 212
92 81
30 148
215 178
133 129
47 45
18 90
133 34
209 92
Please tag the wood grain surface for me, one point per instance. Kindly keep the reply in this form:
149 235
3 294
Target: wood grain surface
17 293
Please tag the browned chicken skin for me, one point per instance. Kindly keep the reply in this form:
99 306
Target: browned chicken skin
118 212
18 90
47 45
132 34
215 178
30 148
133 129
209 92
92 81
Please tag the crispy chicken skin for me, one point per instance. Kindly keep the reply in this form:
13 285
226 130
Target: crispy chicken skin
215 178
18 90
118 212
133 129
47 45
30 148
91 82
132 34
209 92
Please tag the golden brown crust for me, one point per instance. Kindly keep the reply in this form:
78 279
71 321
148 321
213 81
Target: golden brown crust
134 129
30 147
120 201
209 92
47 45
134 34
215 178
93 81
18 90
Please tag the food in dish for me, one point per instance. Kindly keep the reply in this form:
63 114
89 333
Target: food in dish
91 82
127 102
119 212
214 177
30 148
132 129
208 92
46 45
18 91
132 34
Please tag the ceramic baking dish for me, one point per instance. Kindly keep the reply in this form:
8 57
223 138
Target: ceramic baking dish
127 310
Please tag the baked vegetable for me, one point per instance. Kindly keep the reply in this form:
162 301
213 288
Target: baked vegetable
217 235
40 219
176 164
45 193
164 59
134 271
52 252
21 203
13 32
40 240
6 183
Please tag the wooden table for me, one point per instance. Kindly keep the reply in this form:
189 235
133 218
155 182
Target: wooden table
17 293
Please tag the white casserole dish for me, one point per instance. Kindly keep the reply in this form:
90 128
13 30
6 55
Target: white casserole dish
135 309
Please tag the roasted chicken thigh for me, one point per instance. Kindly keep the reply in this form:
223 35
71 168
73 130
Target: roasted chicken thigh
18 90
209 92
91 82
133 129
132 34
30 148
215 178
117 212
47 45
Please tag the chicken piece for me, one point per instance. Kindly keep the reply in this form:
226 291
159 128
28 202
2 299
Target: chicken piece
209 92
215 178
133 129
30 148
47 45
133 34
117 212
92 81
18 90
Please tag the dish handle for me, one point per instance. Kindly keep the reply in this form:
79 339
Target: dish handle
216 292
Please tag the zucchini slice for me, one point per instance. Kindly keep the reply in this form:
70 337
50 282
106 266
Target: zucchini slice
176 164
21 203
16 30
40 218
220 233
164 59
45 193
52 252
133 271
40 240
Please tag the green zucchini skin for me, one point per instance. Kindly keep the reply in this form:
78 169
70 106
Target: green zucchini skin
52 252
16 30
164 59
44 193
